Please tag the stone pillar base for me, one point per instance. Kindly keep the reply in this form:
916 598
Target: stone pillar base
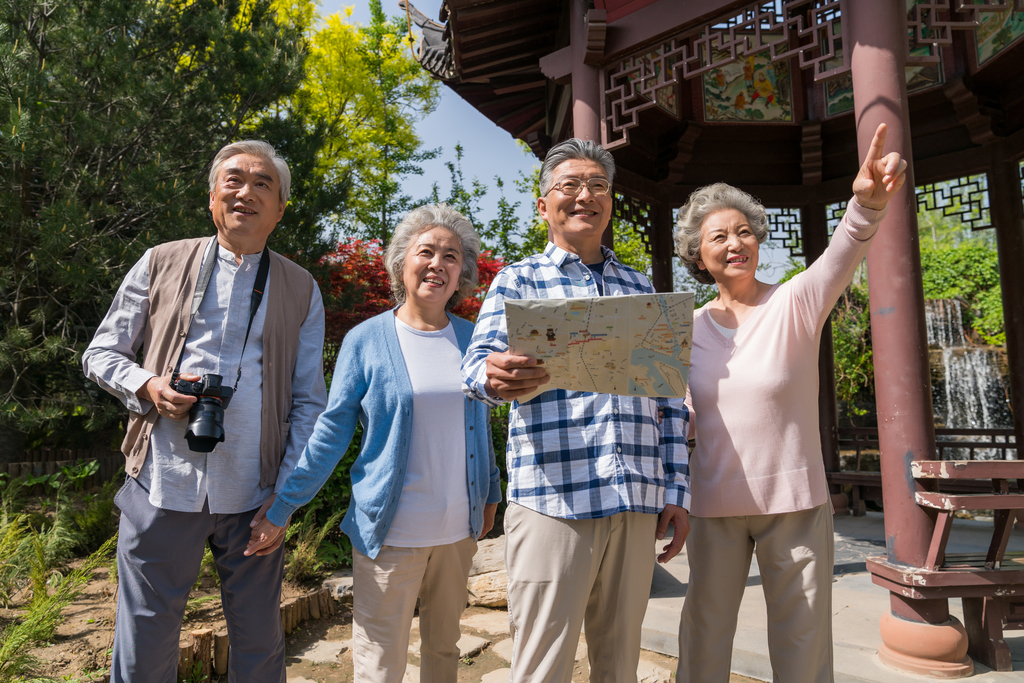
936 650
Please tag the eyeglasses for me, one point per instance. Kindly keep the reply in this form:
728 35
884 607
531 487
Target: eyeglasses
599 187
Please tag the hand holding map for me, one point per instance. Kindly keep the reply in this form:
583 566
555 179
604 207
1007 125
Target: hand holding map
636 345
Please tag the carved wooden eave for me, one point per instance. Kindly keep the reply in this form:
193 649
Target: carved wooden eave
597 27
495 48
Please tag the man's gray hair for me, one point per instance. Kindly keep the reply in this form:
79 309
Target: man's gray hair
256 148
701 204
574 148
420 220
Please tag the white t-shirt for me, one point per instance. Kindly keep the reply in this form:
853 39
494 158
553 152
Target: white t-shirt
727 332
433 508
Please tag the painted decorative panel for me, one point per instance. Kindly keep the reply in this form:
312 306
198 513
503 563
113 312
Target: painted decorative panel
998 30
749 89
839 90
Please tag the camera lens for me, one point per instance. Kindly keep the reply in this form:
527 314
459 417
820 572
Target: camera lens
205 424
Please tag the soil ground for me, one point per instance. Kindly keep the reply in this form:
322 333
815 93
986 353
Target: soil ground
81 649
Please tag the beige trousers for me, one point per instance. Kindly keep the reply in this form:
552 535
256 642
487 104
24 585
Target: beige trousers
564 573
384 599
795 555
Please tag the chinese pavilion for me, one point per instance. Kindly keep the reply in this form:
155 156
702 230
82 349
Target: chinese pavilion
781 98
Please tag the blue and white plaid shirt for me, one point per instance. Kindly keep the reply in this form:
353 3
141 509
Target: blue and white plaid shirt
574 454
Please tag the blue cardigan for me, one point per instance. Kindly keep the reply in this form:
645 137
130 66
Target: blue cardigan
371 385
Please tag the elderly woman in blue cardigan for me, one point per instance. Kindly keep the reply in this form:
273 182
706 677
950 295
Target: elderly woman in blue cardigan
425 485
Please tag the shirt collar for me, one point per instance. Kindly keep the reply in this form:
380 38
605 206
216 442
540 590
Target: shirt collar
560 256
227 255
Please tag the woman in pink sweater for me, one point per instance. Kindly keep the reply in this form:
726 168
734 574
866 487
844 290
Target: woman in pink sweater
756 474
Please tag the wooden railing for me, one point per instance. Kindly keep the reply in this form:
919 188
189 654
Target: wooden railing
950 444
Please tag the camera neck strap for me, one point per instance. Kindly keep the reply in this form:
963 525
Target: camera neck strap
205 273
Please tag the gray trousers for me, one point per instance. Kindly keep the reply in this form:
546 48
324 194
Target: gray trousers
158 557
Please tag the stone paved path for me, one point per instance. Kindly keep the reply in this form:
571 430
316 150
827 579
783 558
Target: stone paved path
320 652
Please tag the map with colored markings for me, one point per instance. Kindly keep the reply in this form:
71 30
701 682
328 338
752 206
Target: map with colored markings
636 345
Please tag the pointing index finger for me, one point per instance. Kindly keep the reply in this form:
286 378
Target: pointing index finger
877 144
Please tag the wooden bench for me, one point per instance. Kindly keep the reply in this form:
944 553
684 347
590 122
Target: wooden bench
991 585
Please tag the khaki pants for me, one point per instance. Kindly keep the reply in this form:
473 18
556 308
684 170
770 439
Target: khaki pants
564 573
385 591
795 555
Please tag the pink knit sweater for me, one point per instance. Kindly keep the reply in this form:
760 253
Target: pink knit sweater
754 398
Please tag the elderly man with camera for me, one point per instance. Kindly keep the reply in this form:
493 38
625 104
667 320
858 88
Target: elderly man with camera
221 405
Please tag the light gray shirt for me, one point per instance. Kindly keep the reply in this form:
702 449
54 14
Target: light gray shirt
229 477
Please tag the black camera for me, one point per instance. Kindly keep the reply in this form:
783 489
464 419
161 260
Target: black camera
206 417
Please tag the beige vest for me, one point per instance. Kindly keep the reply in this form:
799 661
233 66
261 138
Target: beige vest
173 271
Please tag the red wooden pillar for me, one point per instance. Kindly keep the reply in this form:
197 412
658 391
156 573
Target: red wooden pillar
1008 212
877 31
586 87
662 241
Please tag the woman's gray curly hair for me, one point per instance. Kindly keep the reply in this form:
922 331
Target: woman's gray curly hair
424 218
701 204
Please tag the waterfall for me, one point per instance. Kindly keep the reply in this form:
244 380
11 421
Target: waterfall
968 389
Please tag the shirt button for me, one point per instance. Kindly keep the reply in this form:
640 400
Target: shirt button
615 411
182 333
472 483
471 428
618 449
169 369
135 470
586 277
471 455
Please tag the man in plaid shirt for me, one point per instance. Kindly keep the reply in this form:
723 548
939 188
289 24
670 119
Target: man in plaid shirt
593 478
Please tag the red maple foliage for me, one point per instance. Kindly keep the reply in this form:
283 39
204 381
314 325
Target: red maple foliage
356 286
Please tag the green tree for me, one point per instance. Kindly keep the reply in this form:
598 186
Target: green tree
110 112
365 90
957 263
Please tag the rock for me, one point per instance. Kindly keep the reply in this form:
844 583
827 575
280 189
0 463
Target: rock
325 651
490 556
412 674
647 672
488 580
494 622
470 646
504 650
497 676
340 586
